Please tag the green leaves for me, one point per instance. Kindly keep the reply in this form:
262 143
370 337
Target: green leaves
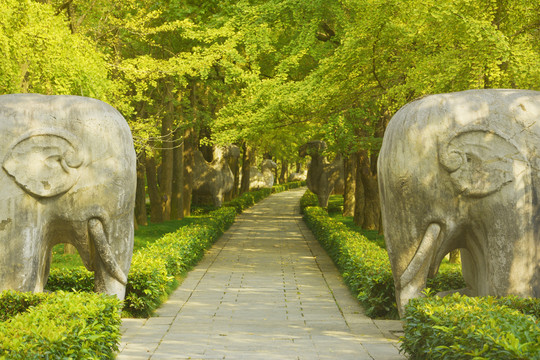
60 325
39 54
458 327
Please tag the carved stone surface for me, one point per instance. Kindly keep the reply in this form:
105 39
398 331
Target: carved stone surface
461 171
214 178
323 178
301 176
265 177
68 176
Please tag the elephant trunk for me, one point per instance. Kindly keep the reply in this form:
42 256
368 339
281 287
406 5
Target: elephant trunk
109 276
413 280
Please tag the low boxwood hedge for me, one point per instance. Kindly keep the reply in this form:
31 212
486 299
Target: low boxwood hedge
483 328
63 325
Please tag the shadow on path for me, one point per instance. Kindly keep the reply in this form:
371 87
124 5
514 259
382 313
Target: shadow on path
265 290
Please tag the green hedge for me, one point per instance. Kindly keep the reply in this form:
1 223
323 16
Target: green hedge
459 327
63 325
364 265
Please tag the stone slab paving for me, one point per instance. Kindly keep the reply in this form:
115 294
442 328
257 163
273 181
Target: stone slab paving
265 290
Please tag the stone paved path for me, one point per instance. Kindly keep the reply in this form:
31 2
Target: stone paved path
266 290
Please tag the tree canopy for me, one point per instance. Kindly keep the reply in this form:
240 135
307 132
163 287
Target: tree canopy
265 74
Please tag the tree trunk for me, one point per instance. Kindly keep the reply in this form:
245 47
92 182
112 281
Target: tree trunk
455 257
177 201
233 165
359 203
284 171
156 210
140 195
349 169
167 157
189 150
246 164
69 249
372 211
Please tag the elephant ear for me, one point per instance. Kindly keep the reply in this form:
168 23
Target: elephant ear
480 162
44 164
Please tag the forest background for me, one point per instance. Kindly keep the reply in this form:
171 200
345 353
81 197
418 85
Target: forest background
266 75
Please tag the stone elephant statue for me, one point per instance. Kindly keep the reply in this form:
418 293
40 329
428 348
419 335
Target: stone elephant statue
68 176
215 178
323 178
265 177
461 171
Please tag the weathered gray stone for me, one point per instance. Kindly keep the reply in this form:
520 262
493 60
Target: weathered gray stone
214 178
461 171
297 176
265 177
323 178
68 176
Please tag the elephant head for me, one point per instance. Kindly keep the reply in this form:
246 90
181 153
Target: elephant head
456 172
68 177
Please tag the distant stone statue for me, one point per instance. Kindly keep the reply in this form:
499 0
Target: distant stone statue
297 176
68 176
214 178
323 178
461 171
265 177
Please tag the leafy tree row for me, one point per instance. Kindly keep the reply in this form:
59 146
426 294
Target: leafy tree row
267 75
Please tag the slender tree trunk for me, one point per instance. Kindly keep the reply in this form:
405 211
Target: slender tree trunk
284 171
156 214
167 158
359 203
349 168
140 195
236 172
233 165
455 257
177 201
372 211
189 150
69 249
246 164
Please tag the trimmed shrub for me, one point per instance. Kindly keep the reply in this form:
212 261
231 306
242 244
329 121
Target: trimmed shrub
75 279
308 199
459 327
62 325
14 302
287 186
